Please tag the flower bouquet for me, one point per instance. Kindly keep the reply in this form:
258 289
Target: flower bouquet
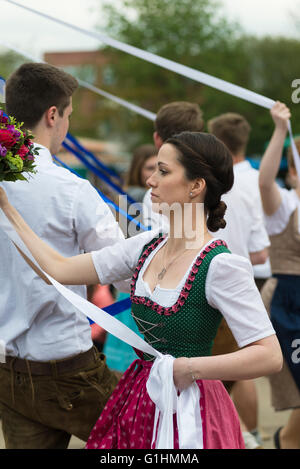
17 152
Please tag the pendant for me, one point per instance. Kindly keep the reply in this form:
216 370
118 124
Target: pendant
162 274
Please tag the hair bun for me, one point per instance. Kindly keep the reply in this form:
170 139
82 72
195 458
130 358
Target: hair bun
215 219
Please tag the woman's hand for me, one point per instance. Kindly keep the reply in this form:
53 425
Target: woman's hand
280 114
182 375
3 198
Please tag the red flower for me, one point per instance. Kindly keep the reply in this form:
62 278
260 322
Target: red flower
23 151
7 139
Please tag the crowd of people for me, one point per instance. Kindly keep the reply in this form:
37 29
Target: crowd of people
213 283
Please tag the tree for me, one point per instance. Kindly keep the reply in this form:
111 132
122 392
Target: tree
191 33
9 61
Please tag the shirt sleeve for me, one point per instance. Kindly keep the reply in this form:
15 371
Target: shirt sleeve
118 262
93 221
277 222
231 289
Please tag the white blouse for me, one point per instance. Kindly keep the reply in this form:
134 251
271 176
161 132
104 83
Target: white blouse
230 286
278 222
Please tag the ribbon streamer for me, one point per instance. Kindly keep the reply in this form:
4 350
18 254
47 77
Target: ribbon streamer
122 102
163 364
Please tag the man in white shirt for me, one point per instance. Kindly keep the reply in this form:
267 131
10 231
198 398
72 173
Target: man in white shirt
54 384
245 234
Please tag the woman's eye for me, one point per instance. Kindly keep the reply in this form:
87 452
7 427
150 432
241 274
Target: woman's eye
162 171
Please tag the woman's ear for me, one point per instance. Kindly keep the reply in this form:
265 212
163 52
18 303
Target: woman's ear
198 187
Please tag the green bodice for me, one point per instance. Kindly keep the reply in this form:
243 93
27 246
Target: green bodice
188 328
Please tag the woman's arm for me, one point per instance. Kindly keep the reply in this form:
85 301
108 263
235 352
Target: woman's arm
271 198
108 265
262 358
77 270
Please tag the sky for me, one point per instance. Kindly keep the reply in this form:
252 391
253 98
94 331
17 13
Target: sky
36 35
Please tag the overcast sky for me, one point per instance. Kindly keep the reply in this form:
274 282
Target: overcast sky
36 35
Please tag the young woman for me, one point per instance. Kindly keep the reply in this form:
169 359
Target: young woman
281 293
142 166
182 286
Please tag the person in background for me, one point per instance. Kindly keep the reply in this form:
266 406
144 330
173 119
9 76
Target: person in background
101 296
142 166
281 294
245 234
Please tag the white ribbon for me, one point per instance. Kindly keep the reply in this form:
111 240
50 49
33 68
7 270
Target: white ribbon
160 382
186 405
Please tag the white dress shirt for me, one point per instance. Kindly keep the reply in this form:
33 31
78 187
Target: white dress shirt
229 287
36 322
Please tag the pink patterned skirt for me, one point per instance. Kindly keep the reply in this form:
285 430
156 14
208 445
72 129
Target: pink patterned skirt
128 417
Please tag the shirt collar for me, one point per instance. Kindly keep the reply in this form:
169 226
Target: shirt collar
242 167
44 156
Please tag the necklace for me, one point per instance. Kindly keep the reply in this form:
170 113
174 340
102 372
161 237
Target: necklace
163 272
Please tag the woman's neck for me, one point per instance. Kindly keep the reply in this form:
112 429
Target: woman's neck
187 232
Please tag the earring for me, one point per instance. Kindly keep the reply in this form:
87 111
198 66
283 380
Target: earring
191 194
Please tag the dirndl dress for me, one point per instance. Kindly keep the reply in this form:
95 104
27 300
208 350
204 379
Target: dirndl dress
188 329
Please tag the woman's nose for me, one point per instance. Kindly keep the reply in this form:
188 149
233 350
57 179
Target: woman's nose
151 181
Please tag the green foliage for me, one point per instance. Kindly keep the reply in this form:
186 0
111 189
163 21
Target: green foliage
196 34
9 61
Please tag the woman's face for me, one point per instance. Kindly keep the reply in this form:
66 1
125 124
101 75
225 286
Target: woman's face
168 183
148 169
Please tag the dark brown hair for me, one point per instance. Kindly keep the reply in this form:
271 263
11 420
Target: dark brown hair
232 129
140 156
177 117
35 87
204 156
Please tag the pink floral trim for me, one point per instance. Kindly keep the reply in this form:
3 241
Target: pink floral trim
161 310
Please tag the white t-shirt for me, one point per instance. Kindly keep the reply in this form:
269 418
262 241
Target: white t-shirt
278 222
230 286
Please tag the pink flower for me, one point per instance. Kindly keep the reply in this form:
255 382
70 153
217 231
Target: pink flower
7 139
23 152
